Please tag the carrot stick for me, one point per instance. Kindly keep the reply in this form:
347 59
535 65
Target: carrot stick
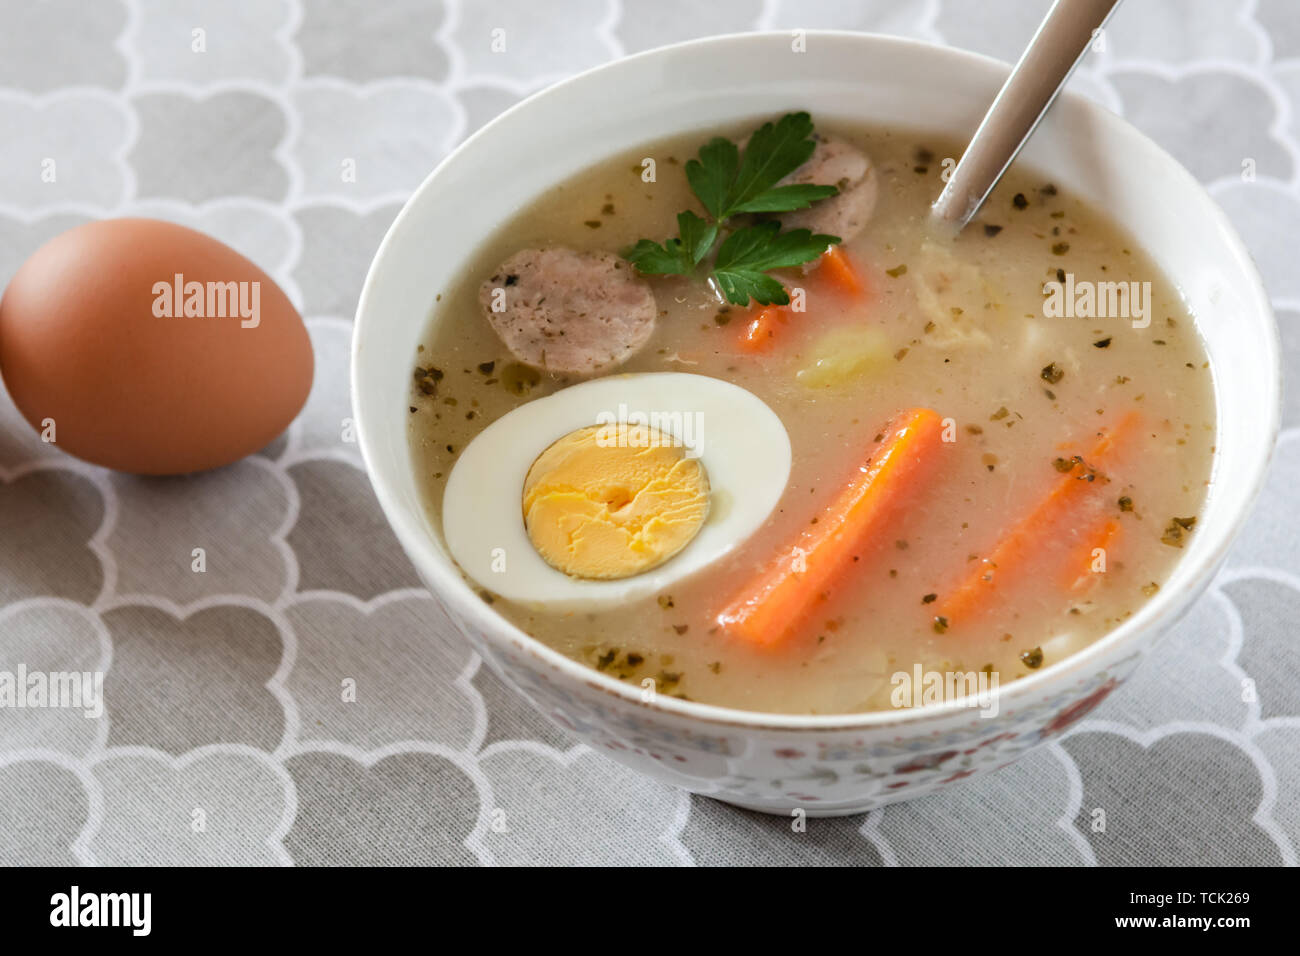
761 328
1079 570
783 596
839 271
1017 555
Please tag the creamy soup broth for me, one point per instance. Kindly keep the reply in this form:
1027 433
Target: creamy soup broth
959 326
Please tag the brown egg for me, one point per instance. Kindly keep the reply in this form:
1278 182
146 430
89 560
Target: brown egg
151 348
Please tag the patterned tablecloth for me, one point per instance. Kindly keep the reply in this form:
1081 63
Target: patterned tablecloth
225 739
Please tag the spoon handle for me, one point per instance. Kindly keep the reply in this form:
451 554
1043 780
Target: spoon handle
1046 64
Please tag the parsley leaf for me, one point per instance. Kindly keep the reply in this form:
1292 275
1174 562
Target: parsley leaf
652 259
747 254
741 285
697 236
712 174
788 198
773 152
765 246
677 256
728 184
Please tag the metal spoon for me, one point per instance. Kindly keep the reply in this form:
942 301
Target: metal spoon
1023 101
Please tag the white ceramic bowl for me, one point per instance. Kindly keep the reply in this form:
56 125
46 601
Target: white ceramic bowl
824 764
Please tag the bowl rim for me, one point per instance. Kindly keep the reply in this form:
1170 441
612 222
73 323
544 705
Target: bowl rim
450 588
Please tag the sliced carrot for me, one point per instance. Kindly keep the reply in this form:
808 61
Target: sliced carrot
782 597
762 327
838 270
1017 556
1080 568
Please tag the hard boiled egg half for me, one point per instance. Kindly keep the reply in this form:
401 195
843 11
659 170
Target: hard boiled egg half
609 491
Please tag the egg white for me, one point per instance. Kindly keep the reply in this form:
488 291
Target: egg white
740 441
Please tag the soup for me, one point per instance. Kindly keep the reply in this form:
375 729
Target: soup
969 455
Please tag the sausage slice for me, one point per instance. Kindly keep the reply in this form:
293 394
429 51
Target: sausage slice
567 311
836 163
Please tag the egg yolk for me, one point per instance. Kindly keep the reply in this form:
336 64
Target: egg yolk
612 501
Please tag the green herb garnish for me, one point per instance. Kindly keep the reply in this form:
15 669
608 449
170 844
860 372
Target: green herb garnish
676 256
747 254
729 185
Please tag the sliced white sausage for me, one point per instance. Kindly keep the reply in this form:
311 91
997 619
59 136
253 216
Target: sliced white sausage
567 311
836 163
